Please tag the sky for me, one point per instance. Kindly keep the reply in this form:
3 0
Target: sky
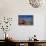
26 17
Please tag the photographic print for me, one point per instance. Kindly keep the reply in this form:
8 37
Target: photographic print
25 19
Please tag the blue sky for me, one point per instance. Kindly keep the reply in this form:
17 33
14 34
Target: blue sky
26 17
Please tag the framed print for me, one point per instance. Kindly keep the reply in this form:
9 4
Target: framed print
25 19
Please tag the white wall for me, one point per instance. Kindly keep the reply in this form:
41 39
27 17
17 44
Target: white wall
13 8
45 28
